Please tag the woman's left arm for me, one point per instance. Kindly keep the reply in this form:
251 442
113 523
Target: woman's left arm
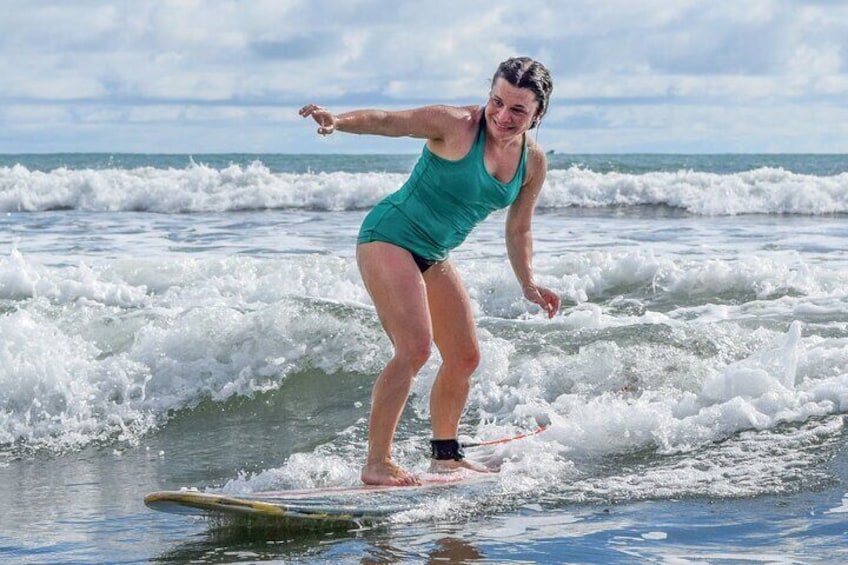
519 236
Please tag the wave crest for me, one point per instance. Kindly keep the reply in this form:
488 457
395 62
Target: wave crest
201 188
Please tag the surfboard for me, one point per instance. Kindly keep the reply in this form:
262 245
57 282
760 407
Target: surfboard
327 506
259 505
346 505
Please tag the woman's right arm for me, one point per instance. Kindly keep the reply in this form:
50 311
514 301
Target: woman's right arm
428 122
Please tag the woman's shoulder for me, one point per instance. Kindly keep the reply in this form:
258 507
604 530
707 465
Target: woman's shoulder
470 114
537 160
457 127
467 116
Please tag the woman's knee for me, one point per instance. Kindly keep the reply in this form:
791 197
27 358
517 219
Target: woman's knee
414 353
464 362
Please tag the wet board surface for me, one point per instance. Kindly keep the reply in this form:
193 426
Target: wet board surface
332 505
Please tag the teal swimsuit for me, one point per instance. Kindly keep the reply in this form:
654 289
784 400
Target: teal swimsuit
441 202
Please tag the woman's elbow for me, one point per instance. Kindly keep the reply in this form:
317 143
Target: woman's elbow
517 229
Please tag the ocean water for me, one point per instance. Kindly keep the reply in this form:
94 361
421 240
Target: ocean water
173 321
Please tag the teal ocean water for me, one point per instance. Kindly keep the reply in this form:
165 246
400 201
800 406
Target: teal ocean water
173 321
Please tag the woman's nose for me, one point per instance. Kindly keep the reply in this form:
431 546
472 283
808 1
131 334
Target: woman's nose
503 114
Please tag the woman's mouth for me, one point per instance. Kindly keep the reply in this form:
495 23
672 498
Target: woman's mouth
500 126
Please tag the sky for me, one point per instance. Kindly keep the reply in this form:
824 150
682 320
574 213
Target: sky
630 76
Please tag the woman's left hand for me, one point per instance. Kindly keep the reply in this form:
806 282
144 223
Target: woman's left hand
544 297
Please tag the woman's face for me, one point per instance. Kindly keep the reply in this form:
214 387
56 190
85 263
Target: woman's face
510 110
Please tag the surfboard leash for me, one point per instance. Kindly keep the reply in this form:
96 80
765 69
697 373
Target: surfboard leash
537 431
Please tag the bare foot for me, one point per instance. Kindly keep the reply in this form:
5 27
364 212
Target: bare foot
387 473
450 466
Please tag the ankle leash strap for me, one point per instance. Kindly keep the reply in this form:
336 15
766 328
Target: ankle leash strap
446 450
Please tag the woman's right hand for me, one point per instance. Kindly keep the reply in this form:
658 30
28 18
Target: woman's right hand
544 297
323 117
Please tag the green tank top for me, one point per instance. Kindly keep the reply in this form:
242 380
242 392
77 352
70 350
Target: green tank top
441 202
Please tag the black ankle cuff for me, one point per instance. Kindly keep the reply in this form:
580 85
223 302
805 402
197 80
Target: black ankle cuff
446 450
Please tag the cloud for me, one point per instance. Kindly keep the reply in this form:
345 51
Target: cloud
204 75
307 46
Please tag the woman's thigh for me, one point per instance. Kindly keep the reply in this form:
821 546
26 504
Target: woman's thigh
397 289
454 330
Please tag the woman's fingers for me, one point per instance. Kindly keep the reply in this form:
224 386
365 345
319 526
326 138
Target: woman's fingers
547 299
308 109
321 116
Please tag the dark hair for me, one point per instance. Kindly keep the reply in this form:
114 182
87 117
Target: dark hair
524 72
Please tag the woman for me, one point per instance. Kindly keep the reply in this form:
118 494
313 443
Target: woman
475 160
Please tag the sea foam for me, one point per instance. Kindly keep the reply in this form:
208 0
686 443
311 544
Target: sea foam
200 188
92 352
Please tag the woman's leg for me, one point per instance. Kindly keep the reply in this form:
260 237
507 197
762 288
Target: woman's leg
397 289
455 335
